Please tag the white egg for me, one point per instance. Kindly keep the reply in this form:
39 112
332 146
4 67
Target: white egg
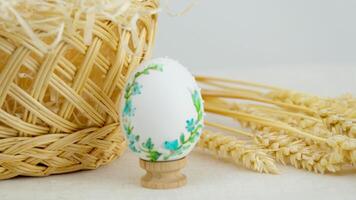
161 111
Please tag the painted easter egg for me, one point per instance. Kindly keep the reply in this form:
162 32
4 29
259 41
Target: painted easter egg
161 111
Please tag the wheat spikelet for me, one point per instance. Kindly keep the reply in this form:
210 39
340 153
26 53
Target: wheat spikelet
344 146
232 149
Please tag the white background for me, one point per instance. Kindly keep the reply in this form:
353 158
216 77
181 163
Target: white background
260 33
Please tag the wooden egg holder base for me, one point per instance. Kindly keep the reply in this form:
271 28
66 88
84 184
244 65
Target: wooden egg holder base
163 175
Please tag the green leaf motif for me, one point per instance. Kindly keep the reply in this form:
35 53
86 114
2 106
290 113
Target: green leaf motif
128 129
191 139
154 155
182 138
148 144
133 147
197 101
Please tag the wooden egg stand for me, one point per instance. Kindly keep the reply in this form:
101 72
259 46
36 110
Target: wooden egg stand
163 175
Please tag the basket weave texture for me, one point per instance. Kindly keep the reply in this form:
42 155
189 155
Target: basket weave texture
59 109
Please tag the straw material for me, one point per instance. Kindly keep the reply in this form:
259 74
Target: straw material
59 102
279 125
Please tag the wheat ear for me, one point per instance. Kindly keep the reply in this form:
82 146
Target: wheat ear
309 132
232 149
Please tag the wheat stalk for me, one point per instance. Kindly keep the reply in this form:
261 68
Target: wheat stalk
303 130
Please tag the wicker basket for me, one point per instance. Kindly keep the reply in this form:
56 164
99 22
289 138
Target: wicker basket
59 108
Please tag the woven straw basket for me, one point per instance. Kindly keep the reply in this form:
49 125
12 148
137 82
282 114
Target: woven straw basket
59 108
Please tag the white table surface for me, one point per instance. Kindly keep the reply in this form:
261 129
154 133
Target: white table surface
209 178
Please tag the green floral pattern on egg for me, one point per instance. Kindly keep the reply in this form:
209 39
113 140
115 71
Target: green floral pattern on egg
172 148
